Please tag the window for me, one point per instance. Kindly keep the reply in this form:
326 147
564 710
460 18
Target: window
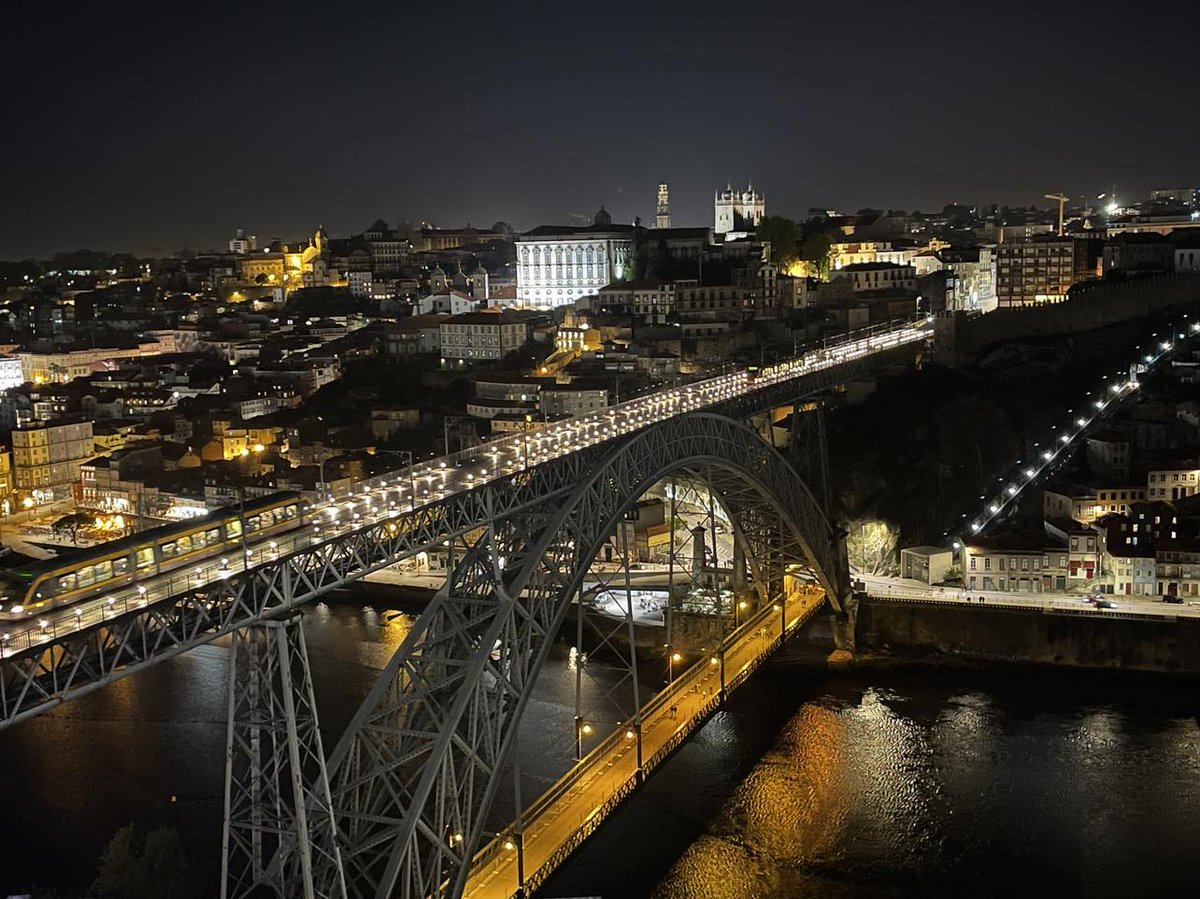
987 564
144 557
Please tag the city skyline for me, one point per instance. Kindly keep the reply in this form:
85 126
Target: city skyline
177 136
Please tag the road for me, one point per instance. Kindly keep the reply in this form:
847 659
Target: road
392 494
1124 606
573 807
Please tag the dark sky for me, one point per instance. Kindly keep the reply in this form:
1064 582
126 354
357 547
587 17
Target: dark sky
151 129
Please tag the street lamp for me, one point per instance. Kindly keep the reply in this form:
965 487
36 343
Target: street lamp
738 609
671 660
525 437
583 729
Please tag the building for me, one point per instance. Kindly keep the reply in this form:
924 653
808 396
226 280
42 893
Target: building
1109 455
557 265
414 336
1187 253
242 243
1004 563
974 269
1086 504
47 456
482 336
662 212
1042 270
450 301
289 266
568 400
1181 196
1172 480
928 564
737 211
1127 557
12 373
870 276
1139 253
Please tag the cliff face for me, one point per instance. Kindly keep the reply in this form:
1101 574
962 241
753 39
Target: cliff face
921 450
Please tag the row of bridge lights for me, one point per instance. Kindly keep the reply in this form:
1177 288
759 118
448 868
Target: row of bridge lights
1048 455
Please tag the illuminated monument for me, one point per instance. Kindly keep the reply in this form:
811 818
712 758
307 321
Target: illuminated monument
558 264
737 210
662 214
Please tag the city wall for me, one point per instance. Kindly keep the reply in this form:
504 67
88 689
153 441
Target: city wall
1004 635
959 338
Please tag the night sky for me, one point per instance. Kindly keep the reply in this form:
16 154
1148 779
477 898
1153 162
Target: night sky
148 130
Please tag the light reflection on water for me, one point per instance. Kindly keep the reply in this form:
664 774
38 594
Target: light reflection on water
906 783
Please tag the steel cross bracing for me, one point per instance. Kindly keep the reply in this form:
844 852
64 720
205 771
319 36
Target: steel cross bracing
417 770
278 817
72 662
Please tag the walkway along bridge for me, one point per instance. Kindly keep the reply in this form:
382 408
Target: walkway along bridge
401 804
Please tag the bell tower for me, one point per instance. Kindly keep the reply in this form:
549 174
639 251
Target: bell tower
662 214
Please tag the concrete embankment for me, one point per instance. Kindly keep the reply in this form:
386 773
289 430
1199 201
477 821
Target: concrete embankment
1028 637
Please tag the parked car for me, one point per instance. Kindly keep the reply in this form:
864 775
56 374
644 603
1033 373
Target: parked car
1105 604
1172 598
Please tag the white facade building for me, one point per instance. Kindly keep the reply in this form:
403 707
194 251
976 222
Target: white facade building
557 265
737 210
11 373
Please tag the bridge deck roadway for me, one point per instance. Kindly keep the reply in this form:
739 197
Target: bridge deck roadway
70 650
563 817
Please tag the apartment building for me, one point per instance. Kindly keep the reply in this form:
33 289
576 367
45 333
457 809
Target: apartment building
47 456
1043 269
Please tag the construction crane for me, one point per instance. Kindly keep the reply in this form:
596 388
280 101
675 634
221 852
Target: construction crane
579 217
1062 204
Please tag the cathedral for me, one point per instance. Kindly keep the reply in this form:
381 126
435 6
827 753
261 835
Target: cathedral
737 210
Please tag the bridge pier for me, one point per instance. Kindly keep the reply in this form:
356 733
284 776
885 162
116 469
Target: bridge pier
844 623
278 810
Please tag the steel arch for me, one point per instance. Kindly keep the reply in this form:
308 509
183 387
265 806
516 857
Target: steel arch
418 768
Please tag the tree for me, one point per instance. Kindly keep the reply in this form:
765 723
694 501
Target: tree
817 249
260 278
154 868
784 237
70 524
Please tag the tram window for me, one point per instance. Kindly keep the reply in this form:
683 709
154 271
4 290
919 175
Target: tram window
103 571
253 523
289 512
233 528
184 544
277 514
86 576
67 582
145 556
212 536
170 549
120 566
197 540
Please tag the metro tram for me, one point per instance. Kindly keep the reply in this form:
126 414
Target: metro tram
38 587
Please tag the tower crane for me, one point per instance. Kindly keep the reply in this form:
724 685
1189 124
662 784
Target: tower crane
1062 203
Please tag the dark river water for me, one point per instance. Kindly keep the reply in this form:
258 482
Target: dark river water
878 783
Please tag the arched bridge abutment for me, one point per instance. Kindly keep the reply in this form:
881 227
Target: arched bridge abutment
417 771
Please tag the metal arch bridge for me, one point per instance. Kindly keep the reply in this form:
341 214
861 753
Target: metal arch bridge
420 759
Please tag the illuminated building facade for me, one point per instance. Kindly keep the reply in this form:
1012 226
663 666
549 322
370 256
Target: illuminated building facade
557 265
47 457
290 266
737 210
662 213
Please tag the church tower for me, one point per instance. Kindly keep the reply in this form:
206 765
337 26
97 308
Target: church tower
662 214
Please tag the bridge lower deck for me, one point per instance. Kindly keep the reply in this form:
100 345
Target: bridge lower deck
570 811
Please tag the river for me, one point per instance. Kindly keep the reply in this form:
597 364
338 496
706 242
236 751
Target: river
877 783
